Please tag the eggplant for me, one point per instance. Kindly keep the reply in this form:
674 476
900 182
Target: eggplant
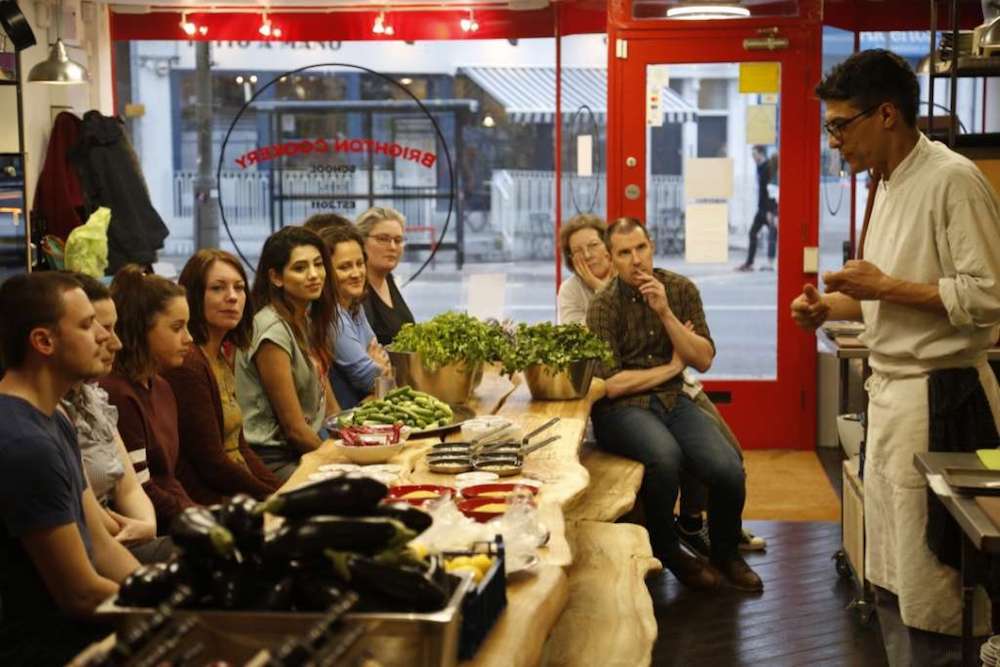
416 520
147 586
229 590
198 532
309 538
246 525
276 596
401 583
352 496
313 592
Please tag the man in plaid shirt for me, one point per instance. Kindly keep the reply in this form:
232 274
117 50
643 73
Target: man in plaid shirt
654 322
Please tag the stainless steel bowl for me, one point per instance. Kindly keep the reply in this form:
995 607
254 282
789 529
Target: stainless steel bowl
572 383
452 383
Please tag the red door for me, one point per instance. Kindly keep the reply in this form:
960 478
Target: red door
706 138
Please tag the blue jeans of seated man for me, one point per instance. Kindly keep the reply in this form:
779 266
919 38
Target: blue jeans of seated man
665 442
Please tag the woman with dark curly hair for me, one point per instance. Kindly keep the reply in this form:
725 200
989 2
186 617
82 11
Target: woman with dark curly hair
281 381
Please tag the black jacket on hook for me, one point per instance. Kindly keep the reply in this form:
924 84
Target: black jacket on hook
110 176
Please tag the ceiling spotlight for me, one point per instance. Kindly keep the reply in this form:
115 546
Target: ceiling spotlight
698 10
265 26
188 27
379 26
203 30
469 23
389 30
239 79
406 81
488 121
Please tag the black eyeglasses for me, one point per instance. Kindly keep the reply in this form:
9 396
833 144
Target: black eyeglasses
837 126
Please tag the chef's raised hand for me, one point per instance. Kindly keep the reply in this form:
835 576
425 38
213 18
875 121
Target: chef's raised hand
654 293
858 279
808 309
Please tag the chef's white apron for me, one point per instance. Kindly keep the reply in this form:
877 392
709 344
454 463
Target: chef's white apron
896 554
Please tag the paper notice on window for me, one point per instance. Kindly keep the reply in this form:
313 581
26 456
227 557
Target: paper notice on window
486 295
706 233
657 76
654 106
585 155
760 77
762 124
708 178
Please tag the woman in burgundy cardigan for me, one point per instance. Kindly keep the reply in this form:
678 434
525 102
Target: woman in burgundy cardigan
217 460
152 326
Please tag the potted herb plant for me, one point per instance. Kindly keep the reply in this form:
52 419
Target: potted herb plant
558 360
444 356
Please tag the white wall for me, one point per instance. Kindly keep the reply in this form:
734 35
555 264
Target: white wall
41 101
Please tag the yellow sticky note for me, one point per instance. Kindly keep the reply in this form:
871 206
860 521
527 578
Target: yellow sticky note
990 458
760 77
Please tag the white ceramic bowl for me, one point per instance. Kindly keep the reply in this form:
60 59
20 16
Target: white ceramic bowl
368 453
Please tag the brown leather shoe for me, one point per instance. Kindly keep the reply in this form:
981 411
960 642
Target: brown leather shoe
740 576
693 572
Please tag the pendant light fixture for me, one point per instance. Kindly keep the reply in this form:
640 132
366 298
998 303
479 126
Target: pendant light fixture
58 68
701 10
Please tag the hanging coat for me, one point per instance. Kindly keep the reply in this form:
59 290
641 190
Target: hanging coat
112 177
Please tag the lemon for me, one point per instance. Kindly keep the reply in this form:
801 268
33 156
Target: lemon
459 561
477 576
483 562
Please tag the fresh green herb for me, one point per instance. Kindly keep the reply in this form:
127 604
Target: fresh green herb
450 338
555 346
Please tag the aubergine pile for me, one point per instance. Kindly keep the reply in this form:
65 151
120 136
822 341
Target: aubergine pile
337 535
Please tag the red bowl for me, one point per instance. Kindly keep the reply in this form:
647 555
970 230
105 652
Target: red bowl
479 490
472 508
400 492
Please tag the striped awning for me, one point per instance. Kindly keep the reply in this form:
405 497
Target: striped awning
528 93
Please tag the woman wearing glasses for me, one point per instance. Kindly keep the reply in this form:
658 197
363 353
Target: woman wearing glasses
382 229
582 241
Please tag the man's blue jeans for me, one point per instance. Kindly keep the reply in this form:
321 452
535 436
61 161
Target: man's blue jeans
667 442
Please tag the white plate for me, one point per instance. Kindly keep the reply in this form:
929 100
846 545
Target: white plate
526 564
393 468
339 467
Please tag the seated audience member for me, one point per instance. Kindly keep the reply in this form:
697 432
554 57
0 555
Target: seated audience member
128 512
582 243
358 358
281 381
152 326
647 416
586 256
320 221
218 461
57 560
383 230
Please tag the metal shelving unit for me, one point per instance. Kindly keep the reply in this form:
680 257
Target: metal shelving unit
15 233
955 69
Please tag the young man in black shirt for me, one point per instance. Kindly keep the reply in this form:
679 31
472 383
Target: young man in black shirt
57 560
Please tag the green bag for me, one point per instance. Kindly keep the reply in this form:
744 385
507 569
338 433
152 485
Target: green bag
87 245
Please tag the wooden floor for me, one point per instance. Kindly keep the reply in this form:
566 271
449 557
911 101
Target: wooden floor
799 619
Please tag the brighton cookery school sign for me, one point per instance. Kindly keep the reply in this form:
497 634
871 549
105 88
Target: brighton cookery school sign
321 145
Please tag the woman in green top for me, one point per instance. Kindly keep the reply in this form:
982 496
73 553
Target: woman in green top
281 381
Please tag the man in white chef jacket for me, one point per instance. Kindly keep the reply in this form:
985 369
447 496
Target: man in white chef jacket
927 286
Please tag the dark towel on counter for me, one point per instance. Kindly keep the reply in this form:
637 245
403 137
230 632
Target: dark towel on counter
960 420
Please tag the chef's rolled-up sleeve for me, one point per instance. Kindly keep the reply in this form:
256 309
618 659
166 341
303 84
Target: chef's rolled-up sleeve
972 296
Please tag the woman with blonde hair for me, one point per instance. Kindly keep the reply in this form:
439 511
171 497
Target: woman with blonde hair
383 231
